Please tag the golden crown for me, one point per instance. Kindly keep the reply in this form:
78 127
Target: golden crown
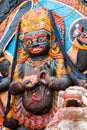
36 19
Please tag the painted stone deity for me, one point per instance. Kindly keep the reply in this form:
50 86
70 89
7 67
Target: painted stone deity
40 71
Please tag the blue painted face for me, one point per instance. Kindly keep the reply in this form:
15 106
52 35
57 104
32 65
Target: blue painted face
37 43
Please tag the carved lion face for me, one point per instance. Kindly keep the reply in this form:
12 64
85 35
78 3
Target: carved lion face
73 97
72 110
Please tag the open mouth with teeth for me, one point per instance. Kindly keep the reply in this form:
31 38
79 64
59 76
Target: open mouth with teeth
36 50
73 97
73 103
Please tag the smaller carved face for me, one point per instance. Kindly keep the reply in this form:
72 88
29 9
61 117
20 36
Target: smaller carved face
79 31
37 43
81 35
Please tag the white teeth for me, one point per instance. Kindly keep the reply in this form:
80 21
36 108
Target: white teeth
36 49
73 99
84 99
78 101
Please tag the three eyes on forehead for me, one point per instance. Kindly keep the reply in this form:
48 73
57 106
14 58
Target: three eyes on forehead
41 37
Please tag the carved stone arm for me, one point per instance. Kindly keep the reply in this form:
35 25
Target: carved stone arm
59 83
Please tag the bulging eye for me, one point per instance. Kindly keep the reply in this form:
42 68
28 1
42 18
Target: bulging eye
29 42
41 39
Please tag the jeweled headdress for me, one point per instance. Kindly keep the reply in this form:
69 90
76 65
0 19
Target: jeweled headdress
36 19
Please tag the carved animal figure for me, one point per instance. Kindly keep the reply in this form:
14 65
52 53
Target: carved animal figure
72 110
